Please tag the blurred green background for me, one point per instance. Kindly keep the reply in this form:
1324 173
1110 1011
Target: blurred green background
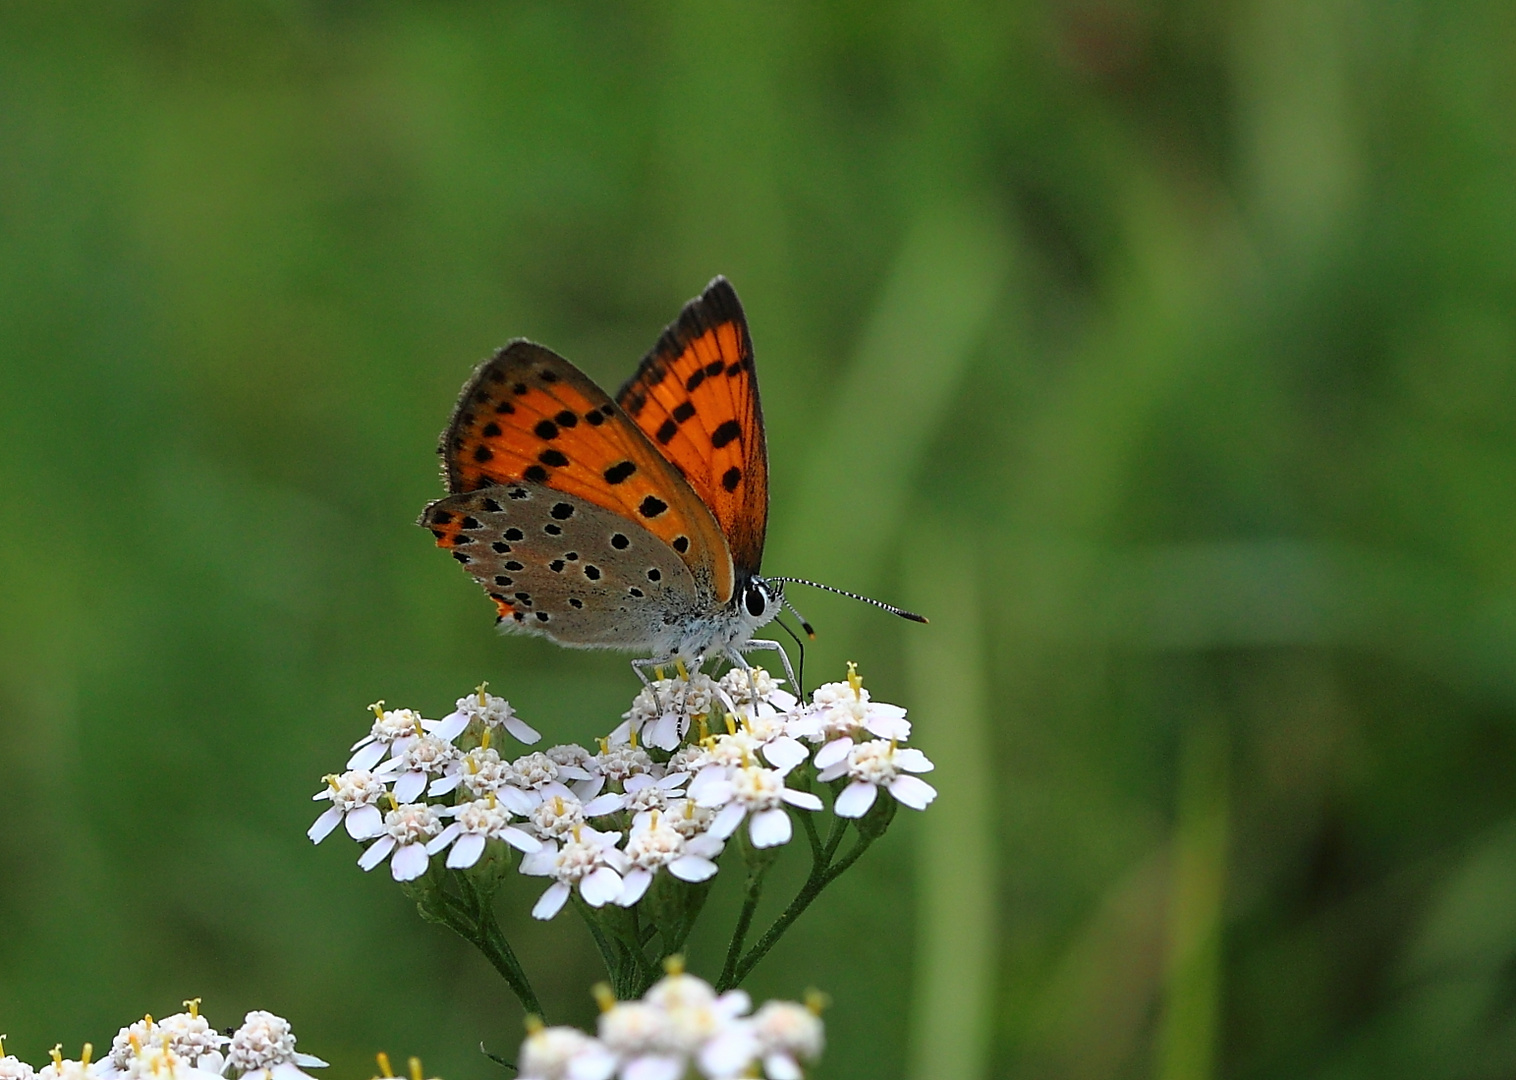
1162 352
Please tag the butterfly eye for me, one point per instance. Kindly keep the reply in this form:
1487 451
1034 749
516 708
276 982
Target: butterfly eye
756 602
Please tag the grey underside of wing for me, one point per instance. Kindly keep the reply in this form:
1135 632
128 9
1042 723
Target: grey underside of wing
561 563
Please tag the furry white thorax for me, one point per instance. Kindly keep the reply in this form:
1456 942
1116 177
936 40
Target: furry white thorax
753 605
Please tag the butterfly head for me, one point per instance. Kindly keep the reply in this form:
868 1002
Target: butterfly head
760 601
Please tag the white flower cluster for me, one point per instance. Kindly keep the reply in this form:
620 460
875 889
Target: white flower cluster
182 1047
666 791
681 1025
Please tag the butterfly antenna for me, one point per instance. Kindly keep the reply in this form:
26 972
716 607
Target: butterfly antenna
800 676
810 631
891 608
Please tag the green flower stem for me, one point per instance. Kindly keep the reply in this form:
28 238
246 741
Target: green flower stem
823 873
471 916
610 954
689 902
821 876
758 866
616 936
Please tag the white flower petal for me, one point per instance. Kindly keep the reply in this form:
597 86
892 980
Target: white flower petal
634 886
781 1067
912 791
653 1067
523 731
770 828
833 752
443 784
725 823
716 793
692 868
465 852
592 1062
515 800
664 733
734 1003
706 778
600 887
803 799
452 725
608 803
855 799
729 1053
443 839
323 826
586 790
410 786
912 760
310 1061
831 772
409 862
364 822
541 862
704 845
887 721
287 1070
520 839
367 756
785 753
376 852
551 902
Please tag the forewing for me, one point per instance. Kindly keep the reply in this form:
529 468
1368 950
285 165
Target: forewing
562 566
695 396
529 415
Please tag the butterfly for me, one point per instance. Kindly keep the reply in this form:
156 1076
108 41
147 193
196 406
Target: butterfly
636 523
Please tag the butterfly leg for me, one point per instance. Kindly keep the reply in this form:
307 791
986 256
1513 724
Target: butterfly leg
784 658
655 665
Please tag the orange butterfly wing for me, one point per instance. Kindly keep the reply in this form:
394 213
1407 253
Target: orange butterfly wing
528 414
695 397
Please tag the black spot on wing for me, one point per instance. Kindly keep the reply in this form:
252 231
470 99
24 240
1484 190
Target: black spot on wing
652 506
724 434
